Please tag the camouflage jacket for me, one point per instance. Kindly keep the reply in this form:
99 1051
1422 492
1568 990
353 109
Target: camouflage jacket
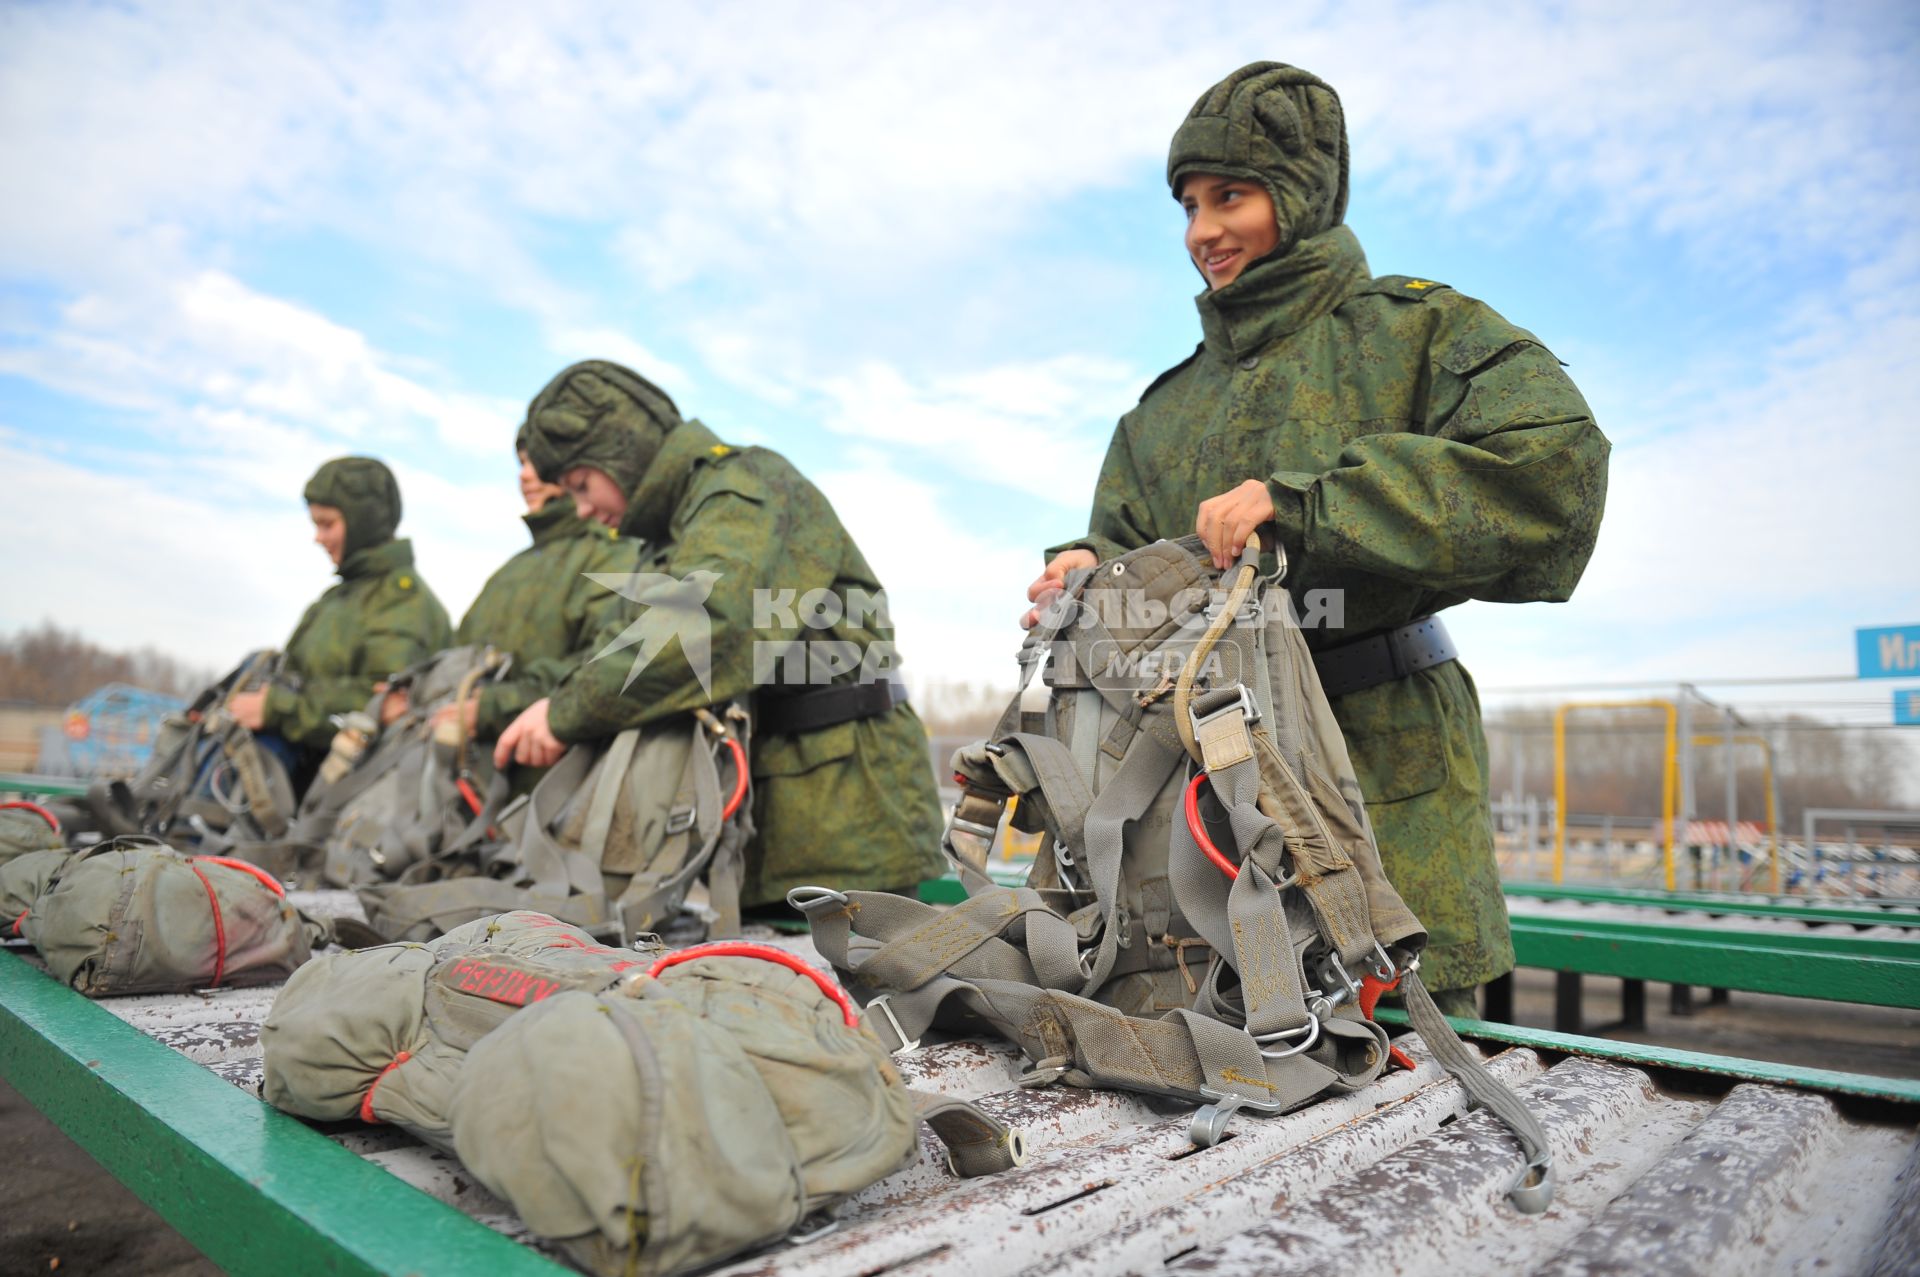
849 806
1420 450
378 620
541 607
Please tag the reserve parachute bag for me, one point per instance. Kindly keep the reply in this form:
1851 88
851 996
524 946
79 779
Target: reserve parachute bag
1209 920
208 783
27 827
389 798
724 1098
381 1034
134 915
611 839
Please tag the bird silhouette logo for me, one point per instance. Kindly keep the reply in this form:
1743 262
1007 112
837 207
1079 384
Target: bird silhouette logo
671 608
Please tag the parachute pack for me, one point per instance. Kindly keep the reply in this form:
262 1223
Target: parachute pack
134 915
611 839
650 1112
1211 921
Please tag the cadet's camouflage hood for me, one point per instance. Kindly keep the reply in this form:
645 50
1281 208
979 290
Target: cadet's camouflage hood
1279 126
601 415
365 493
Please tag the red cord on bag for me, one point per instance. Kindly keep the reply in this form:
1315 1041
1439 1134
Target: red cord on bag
272 884
366 1101
766 953
466 792
22 918
36 809
740 779
219 928
1371 987
1199 829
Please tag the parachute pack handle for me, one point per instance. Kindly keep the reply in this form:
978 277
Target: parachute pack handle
726 737
1246 577
765 953
52 820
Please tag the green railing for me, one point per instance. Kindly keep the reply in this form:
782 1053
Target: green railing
255 1190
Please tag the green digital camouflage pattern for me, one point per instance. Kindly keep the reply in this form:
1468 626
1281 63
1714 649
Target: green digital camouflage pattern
1420 451
850 806
541 607
365 493
378 620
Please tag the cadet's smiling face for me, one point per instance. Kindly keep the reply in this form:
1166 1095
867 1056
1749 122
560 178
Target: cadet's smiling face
534 490
595 495
1230 225
329 530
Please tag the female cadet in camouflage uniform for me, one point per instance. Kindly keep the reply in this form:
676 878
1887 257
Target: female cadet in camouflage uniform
540 605
379 619
1413 450
843 791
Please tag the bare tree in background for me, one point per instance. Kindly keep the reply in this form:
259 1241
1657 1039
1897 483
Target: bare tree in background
51 666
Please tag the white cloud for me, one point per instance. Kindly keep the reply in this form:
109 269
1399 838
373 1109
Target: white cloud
1039 427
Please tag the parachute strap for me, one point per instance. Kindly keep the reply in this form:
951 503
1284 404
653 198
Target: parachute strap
977 1142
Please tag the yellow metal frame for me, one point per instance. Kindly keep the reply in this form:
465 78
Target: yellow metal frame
1669 775
1773 827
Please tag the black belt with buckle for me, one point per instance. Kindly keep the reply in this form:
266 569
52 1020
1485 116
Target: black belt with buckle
1381 658
819 707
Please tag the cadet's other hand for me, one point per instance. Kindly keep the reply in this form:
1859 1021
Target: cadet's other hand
528 740
468 711
1051 582
249 709
1226 521
393 705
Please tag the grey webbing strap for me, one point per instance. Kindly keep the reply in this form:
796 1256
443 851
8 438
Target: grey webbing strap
245 755
934 941
395 908
977 1142
1532 1190
1059 781
554 869
1125 798
606 793
650 892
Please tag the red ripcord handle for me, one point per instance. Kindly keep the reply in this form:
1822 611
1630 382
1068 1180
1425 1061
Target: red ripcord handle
739 781
272 884
1199 830
36 809
766 953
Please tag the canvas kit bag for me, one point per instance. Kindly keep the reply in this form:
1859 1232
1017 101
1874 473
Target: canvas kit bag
208 783
611 839
388 798
27 827
135 916
1210 920
651 1112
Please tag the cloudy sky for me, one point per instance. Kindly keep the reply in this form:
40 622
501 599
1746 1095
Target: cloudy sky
927 251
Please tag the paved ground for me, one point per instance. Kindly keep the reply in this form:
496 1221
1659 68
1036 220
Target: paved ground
59 1212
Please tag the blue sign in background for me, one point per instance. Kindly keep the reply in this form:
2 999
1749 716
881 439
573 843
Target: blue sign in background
1891 651
1906 707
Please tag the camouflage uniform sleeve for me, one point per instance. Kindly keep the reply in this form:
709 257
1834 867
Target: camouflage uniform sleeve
590 609
740 532
1499 499
402 626
1121 518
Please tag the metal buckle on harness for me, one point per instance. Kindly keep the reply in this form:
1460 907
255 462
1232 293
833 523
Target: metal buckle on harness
907 1044
807 899
1384 970
1531 1198
1209 1125
681 819
1311 1028
973 827
1245 704
1344 986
